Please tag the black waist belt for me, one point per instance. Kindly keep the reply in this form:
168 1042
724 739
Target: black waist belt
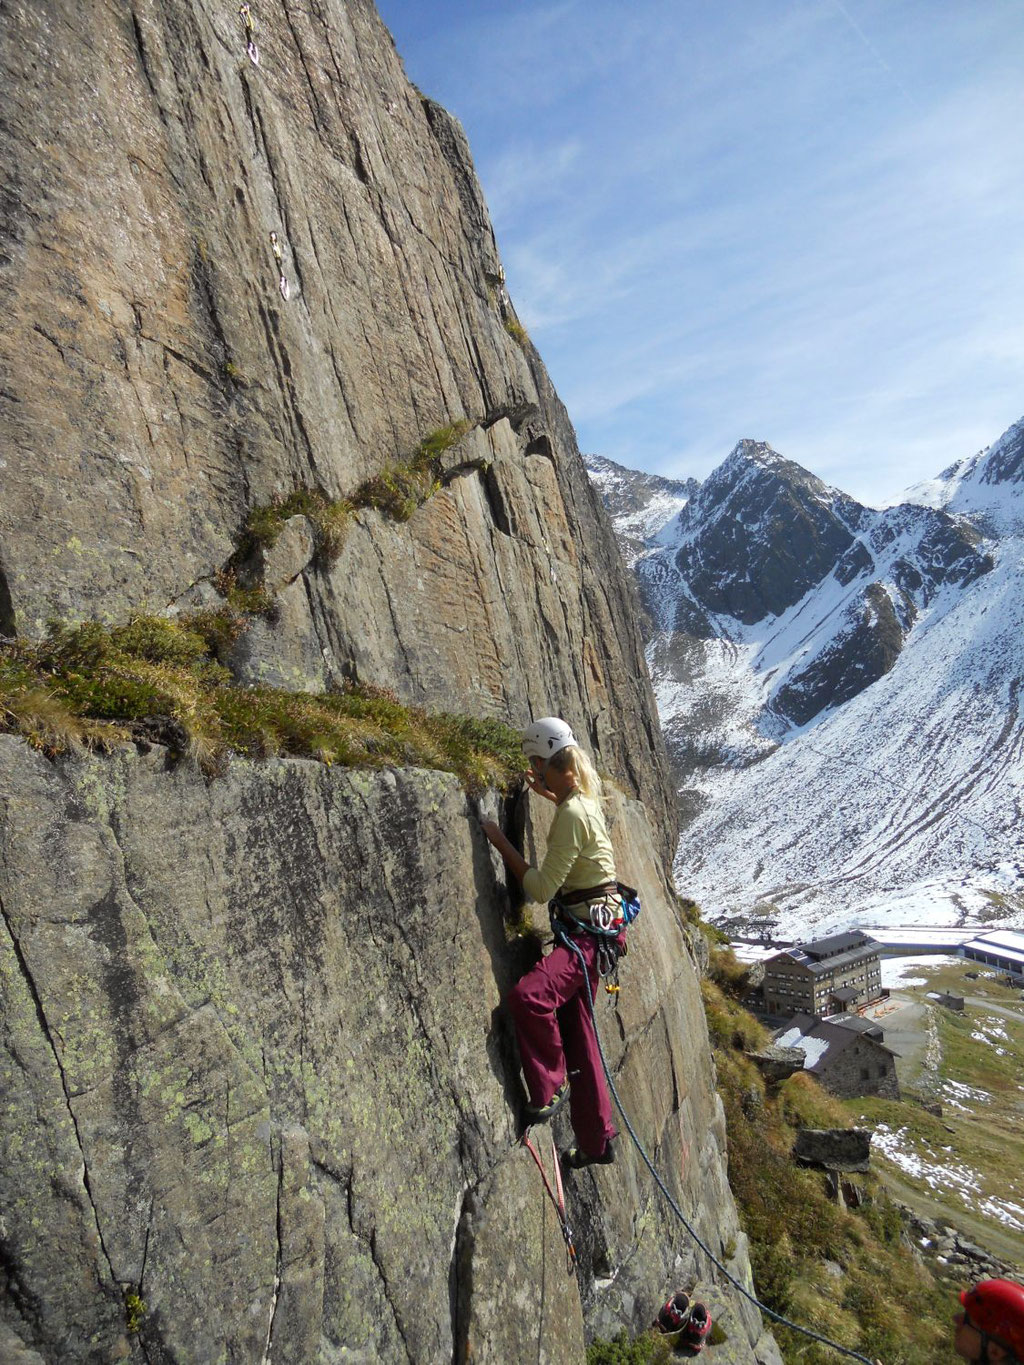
588 894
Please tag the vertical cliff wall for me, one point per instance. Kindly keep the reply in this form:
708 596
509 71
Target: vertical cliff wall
254 1072
157 384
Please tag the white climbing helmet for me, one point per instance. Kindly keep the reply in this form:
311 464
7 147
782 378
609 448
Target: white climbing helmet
544 738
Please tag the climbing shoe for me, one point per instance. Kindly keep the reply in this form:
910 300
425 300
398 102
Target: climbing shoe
553 1105
573 1159
675 1314
697 1328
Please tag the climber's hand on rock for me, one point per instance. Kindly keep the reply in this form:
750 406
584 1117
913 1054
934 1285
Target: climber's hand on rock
491 829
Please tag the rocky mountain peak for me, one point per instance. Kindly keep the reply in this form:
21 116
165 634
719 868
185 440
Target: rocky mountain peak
749 451
760 532
1003 461
640 504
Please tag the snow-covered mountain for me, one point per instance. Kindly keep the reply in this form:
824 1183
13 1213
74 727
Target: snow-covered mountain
640 504
841 691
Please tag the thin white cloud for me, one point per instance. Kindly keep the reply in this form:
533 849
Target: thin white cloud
730 220
883 64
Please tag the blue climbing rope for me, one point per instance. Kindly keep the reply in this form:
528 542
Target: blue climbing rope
769 1312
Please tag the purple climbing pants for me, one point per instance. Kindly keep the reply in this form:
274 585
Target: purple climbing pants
556 1036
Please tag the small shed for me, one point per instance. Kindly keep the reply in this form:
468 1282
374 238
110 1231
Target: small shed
950 1002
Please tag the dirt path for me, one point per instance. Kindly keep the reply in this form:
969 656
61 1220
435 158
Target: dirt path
1007 1245
906 1034
980 1002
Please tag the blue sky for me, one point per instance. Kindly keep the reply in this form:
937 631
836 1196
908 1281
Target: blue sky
800 221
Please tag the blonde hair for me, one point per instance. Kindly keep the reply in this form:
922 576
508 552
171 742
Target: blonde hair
573 758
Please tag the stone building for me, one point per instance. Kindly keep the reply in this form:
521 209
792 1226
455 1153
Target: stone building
847 1061
829 976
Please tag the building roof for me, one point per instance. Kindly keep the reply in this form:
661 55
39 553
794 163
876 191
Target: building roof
835 944
1005 943
1005 938
819 966
917 937
823 1041
845 993
856 1024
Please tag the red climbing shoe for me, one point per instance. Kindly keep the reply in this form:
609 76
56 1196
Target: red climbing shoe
697 1329
675 1314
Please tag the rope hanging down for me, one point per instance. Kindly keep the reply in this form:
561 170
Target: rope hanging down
557 1197
776 1317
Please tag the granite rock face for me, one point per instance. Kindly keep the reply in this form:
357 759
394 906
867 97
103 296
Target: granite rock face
259 1101
255 1073
163 372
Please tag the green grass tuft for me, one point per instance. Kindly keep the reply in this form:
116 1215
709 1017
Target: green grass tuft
396 491
328 517
252 601
517 332
646 1349
401 488
93 686
134 1310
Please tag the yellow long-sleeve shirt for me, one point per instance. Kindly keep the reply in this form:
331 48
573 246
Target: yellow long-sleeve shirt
578 854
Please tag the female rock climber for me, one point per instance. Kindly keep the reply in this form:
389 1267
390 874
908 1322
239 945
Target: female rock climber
549 1004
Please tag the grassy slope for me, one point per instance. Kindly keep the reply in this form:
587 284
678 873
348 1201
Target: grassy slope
971 1160
851 1276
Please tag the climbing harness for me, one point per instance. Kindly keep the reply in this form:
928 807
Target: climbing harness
611 909
557 1197
249 24
567 940
283 285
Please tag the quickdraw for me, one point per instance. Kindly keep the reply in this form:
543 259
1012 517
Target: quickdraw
282 283
557 1197
249 24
